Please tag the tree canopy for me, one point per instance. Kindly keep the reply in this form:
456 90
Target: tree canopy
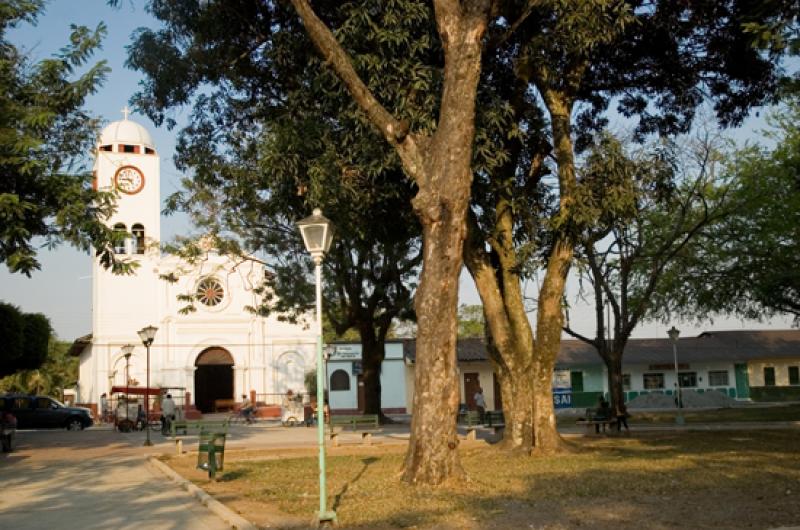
57 372
25 338
260 164
747 266
651 205
45 197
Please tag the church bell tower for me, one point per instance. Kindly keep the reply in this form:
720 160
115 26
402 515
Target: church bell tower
128 165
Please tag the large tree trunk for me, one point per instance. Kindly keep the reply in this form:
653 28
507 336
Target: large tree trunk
549 321
509 329
516 387
616 390
550 317
432 457
441 204
373 351
440 165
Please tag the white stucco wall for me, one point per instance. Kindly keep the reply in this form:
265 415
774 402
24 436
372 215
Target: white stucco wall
701 369
393 388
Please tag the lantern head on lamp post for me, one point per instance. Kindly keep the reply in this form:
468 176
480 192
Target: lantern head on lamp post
317 232
673 336
147 335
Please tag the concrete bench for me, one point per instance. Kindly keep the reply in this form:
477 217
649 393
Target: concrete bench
365 423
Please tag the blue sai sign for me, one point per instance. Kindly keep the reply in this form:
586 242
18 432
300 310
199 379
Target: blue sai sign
562 399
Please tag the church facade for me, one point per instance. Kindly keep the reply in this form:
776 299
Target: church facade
217 351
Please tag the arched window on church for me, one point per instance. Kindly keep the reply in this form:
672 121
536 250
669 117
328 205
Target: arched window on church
119 245
138 238
340 380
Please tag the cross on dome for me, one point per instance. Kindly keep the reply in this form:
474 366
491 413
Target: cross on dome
125 111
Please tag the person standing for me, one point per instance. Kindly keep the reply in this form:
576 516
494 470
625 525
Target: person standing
480 403
622 417
141 419
105 412
167 414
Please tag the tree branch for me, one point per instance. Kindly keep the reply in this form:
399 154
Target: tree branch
393 130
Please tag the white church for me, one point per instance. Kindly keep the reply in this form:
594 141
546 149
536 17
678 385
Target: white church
217 352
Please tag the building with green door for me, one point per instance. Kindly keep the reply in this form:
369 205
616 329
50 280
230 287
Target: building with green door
762 365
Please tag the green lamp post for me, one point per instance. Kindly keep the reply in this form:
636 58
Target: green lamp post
317 232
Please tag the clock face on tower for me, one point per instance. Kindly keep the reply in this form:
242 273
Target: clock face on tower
129 180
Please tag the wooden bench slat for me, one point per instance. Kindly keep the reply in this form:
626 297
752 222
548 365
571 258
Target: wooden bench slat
199 425
345 420
471 418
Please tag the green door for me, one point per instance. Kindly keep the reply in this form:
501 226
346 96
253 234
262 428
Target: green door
742 383
576 381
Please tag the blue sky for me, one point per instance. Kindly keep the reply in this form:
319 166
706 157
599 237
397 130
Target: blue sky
62 289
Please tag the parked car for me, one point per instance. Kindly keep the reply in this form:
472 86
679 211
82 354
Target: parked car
42 412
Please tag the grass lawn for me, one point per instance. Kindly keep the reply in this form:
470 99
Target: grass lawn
728 479
734 414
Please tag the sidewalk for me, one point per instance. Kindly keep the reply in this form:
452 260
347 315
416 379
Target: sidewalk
119 491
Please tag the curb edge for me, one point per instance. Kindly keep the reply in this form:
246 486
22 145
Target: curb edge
226 514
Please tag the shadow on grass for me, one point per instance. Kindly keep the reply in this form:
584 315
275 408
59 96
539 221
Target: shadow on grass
229 476
338 498
700 480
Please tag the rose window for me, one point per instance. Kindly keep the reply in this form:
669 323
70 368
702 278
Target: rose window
210 292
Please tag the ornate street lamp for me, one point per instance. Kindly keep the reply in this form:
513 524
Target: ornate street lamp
317 232
673 335
147 335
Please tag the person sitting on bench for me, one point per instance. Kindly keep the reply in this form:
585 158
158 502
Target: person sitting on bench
603 413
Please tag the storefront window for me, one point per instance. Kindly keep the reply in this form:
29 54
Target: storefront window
687 379
653 381
718 378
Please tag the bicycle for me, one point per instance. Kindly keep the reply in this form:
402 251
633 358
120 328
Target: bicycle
241 417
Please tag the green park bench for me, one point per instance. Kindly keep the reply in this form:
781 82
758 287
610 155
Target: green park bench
472 419
366 424
495 419
183 427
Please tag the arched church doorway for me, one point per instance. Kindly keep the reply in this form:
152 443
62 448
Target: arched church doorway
213 377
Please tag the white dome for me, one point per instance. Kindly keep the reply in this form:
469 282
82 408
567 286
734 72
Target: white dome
126 132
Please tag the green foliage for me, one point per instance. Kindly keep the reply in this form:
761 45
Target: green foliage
25 338
471 322
274 134
58 371
656 62
264 150
748 265
44 134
